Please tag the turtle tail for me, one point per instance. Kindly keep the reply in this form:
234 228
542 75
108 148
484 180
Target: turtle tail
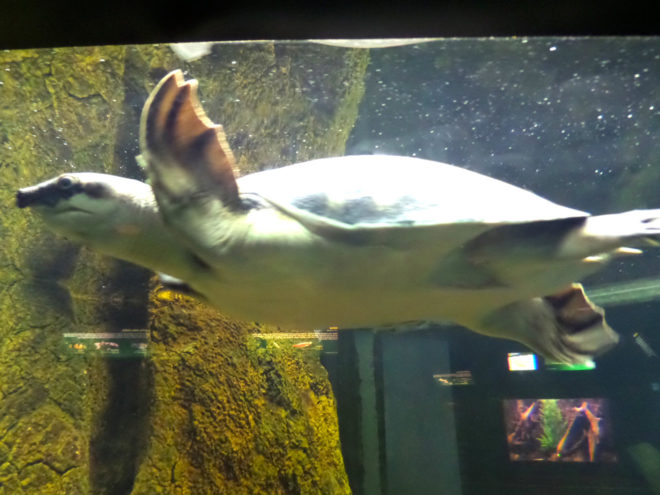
565 327
609 233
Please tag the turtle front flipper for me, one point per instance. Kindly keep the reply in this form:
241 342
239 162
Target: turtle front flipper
188 161
565 327
185 152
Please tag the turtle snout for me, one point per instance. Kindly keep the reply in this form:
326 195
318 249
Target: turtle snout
35 195
26 196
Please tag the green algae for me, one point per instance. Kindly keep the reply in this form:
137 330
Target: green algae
46 399
211 410
231 416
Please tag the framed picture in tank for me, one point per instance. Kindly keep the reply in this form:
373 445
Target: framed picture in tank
559 430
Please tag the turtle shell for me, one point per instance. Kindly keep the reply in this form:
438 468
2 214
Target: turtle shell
380 192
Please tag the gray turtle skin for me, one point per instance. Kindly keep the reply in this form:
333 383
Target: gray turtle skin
354 242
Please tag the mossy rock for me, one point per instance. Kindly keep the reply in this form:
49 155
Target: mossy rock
57 110
211 409
230 415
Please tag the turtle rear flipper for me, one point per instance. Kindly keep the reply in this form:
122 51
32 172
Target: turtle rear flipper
565 327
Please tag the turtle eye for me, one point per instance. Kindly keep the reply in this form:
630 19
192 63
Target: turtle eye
66 182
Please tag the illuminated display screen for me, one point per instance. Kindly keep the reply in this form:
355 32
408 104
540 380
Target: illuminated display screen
522 361
527 361
454 379
559 430
589 365
124 344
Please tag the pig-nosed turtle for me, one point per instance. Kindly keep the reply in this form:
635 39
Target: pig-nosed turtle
355 241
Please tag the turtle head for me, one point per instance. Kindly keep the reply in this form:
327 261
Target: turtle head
88 207
113 215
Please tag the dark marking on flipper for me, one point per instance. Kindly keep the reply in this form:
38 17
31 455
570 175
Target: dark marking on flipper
150 124
173 116
574 310
197 148
175 132
564 327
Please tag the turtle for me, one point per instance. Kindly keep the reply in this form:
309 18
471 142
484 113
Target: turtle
366 241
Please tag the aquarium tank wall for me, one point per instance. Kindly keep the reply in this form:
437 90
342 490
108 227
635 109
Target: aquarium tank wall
116 380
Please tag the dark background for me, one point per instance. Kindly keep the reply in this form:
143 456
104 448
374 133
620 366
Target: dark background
576 121
59 23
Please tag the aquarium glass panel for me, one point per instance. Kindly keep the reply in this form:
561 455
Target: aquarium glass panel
331 266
